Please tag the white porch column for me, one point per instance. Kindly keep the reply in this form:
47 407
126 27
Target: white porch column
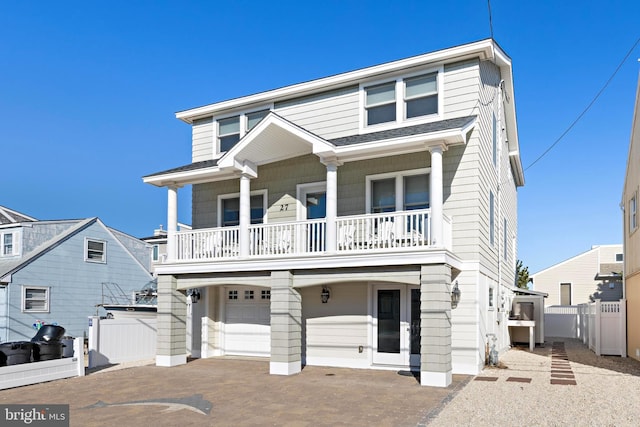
435 196
172 221
332 205
245 214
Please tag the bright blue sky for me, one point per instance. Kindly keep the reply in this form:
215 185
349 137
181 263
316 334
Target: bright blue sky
88 92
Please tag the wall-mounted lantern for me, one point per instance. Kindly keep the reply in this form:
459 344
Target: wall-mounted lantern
194 295
325 294
455 295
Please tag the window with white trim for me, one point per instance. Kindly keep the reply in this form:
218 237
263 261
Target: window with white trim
407 190
492 225
231 129
633 213
95 250
229 209
35 299
491 298
619 258
155 253
401 99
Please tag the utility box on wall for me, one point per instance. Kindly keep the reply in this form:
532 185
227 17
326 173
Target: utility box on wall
527 305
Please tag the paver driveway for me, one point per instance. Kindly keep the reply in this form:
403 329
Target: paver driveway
240 393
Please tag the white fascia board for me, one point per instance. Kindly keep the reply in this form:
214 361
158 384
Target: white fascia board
315 262
483 49
188 177
396 145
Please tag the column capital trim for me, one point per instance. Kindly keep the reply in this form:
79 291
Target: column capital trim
437 145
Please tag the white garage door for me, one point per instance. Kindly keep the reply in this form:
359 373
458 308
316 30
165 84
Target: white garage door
247 330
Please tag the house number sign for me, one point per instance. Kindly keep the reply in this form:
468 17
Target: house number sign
284 207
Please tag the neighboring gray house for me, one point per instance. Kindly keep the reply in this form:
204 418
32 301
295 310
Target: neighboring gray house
594 274
56 271
333 219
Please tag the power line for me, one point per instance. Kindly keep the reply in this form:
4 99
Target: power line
588 106
490 19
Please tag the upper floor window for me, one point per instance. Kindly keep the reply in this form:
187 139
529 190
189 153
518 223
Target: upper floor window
491 219
230 210
95 251
228 133
633 219
155 254
9 243
421 95
402 99
381 103
231 129
619 258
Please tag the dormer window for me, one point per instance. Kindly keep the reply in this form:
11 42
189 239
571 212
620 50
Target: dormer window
9 243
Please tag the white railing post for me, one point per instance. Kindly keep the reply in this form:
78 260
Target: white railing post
598 320
622 328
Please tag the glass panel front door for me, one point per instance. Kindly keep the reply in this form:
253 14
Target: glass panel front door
396 325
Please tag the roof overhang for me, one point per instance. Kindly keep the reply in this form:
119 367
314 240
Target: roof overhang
483 50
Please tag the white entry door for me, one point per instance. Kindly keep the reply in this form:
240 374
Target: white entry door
396 325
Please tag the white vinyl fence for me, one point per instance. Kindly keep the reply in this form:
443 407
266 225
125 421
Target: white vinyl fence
121 340
47 370
599 325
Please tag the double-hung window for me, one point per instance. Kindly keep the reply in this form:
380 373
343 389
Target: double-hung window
9 243
401 99
228 133
407 191
421 95
230 210
35 299
380 104
95 251
254 118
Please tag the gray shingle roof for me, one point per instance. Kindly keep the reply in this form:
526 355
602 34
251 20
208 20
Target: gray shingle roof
439 126
9 216
190 167
425 128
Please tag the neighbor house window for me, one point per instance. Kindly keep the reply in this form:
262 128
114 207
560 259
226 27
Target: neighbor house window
565 293
228 133
421 95
619 258
633 219
35 299
155 252
380 103
491 219
9 243
95 250
230 210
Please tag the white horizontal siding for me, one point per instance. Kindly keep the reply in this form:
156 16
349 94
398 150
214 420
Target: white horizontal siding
202 140
332 115
461 83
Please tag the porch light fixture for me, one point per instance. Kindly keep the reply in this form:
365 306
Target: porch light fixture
194 295
325 294
455 295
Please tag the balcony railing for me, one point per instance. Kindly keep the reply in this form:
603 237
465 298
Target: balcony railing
391 231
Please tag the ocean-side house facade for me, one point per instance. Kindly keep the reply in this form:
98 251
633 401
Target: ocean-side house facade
631 235
58 271
337 222
592 275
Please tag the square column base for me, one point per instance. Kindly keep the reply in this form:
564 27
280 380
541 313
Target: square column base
435 379
284 368
169 361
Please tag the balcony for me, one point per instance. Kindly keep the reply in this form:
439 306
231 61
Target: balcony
360 234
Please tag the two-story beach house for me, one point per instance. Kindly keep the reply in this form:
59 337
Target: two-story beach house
338 221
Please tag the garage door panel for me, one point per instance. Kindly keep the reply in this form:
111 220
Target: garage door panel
247 329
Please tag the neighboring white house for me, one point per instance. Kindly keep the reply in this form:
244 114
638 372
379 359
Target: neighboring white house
595 274
333 220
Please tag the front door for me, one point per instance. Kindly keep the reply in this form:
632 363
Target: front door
314 204
396 325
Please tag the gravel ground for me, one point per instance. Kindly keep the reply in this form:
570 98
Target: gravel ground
606 393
